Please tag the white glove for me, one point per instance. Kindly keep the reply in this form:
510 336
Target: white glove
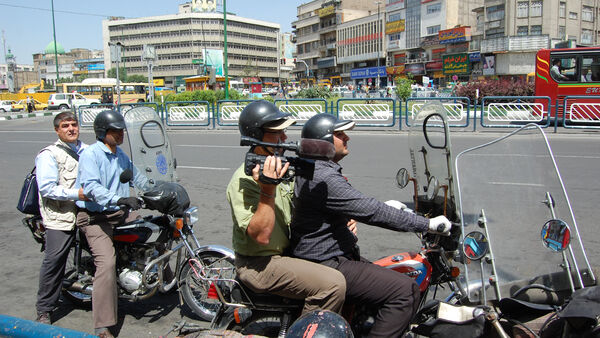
396 204
440 225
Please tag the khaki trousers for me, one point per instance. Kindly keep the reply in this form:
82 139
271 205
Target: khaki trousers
98 230
321 287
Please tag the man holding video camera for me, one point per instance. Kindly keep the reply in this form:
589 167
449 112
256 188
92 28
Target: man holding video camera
261 208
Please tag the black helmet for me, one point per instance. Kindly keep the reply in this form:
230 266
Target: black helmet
320 324
262 114
105 120
322 126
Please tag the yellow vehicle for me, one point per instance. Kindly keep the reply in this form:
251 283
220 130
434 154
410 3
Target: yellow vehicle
22 105
25 88
105 90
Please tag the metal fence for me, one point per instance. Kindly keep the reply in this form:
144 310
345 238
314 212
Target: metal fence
194 113
514 111
580 112
458 109
377 112
302 109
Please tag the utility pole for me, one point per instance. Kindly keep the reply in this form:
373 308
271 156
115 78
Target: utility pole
115 55
378 42
55 48
226 67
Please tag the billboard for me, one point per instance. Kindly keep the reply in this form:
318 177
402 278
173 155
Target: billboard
204 6
394 26
453 35
214 58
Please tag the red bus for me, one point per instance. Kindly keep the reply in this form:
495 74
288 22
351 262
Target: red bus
570 72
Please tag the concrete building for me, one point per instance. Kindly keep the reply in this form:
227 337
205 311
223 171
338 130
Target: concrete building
70 64
511 32
183 40
316 35
21 76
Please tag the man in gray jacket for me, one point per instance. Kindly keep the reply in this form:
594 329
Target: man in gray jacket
56 167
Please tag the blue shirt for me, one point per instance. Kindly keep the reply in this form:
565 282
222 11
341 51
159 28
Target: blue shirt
99 171
47 175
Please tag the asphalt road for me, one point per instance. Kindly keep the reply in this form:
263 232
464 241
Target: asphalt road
206 161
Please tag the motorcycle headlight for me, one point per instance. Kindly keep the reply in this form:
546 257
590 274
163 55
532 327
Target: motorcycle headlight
191 215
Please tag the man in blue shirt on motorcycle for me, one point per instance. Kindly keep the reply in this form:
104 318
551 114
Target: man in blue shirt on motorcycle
100 167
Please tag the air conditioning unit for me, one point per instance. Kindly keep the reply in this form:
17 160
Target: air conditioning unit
424 55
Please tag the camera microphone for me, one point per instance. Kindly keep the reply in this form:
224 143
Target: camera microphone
311 148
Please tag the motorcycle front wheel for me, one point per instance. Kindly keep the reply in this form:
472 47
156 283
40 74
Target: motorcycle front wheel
194 289
76 280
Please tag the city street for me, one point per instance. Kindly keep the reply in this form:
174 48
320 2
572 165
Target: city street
206 160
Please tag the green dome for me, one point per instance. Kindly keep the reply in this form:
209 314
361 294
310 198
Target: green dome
9 55
50 48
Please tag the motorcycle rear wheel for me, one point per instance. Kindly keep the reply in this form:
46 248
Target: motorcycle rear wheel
263 325
194 289
87 269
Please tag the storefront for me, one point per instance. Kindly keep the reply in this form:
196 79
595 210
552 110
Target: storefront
368 76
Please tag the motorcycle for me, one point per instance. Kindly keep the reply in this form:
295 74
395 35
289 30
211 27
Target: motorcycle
432 267
155 253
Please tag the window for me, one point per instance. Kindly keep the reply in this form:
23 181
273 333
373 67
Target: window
536 8
495 12
433 29
394 17
523 30
573 15
522 9
565 69
587 14
536 30
562 10
586 36
562 31
435 8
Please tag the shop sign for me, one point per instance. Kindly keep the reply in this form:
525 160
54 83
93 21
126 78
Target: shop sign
457 48
363 73
437 53
325 11
394 26
454 35
399 59
434 65
456 63
431 40
475 57
396 70
415 68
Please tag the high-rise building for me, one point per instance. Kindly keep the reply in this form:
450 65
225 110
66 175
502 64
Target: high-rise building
187 42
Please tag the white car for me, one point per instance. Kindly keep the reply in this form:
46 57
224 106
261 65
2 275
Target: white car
6 105
64 101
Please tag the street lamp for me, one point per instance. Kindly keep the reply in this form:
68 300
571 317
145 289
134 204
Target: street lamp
378 32
115 55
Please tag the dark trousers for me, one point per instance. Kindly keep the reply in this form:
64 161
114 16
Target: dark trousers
394 294
52 271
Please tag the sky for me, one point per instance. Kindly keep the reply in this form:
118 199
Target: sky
27 24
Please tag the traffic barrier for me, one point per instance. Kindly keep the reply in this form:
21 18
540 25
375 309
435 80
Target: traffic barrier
582 112
188 113
302 109
87 113
228 111
514 111
373 112
457 109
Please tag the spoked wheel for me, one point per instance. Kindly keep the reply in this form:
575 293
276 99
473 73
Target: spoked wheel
76 280
194 289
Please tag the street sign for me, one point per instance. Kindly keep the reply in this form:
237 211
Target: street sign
197 61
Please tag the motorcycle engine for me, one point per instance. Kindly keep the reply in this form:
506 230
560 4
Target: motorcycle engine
130 280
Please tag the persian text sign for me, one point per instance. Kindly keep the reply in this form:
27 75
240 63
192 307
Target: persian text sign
453 35
394 26
456 63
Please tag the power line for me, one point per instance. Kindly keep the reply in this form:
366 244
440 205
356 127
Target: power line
49 10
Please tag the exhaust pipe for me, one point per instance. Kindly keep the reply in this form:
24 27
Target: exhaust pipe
80 287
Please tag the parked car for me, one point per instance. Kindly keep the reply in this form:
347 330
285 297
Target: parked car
22 105
64 101
6 105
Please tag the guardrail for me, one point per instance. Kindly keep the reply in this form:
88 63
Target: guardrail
458 109
514 111
87 113
228 111
188 113
374 112
302 109
580 112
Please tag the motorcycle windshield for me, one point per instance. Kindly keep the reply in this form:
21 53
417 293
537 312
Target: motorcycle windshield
508 183
432 167
149 144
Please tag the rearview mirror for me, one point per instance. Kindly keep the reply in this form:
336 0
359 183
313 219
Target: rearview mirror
433 187
475 245
556 235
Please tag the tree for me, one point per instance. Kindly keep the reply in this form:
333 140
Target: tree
113 73
137 78
404 86
249 70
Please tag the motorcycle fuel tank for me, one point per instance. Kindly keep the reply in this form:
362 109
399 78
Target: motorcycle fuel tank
412 264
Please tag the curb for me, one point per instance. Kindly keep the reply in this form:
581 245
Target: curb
22 116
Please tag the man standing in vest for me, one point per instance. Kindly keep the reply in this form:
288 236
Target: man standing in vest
56 167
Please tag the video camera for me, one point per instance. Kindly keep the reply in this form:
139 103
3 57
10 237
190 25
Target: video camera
304 165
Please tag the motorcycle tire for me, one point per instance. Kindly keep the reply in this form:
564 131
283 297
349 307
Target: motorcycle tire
194 289
262 325
87 269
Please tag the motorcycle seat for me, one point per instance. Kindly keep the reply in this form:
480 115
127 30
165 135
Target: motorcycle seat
240 293
531 301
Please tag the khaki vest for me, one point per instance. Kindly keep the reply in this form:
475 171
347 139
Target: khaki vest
60 215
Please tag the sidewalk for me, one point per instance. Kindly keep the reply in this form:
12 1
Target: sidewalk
26 115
